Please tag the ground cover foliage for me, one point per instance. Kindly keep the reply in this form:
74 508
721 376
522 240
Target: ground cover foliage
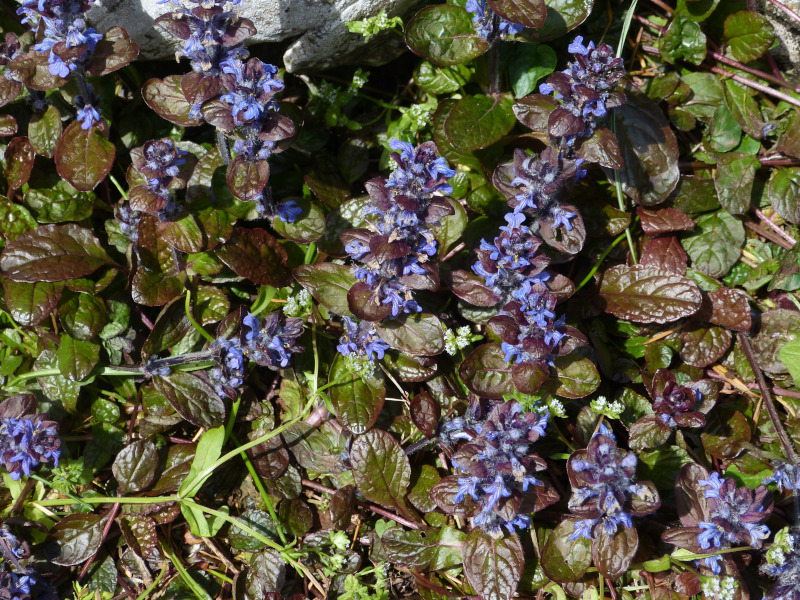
515 315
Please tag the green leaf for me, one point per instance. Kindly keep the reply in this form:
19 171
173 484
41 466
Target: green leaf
715 244
192 398
60 203
84 156
209 449
357 400
724 133
445 35
410 548
328 283
259 520
744 109
493 566
436 79
684 40
57 388
449 229
83 316
479 121
420 334
648 294
200 523
783 191
53 253
528 65
308 227
77 358
577 377
790 356
562 16
649 149
135 466
748 35
31 303
381 468
733 180
14 220
44 131
563 559
778 327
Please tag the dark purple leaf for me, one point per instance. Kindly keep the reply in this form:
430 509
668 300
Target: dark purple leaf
328 283
425 413
601 148
648 295
192 398
255 255
53 253
113 52
32 69
31 303
135 466
420 334
84 156
381 468
648 432
76 538
19 157
165 96
364 302
493 566
246 180
470 287
529 13
665 220
613 553
665 254
269 458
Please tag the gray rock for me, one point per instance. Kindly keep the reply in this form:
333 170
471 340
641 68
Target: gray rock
319 26
787 31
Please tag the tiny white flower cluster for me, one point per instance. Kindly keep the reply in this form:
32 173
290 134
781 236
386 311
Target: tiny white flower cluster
359 80
420 115
602 406
299 305
455 341
783 544
360 365
719 588
328 92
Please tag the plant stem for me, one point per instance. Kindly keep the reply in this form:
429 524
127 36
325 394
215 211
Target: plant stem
188 308
757 86
108 500
602 257
626 25
789 12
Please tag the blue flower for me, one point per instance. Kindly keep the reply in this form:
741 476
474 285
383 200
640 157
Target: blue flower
713 483
712 534
467 485
272 342
483 19
27 442
88 115
288 211
361 339
583 528
785 475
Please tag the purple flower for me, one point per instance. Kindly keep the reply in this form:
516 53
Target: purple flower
27 442
272 341
250 88
230 367
361 339
676 405
603 487
87 114
484 21
785 475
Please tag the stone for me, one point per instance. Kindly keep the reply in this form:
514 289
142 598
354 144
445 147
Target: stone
317 29
787 30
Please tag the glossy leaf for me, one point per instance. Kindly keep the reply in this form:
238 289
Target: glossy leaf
783 192
53 253
715 244
734 180
528 13
84 156
419 334
255 255
76 538
192 398
493 566
563 559
19 156
562 16
648 295
328 283
308 227
357 400
166 97
479 121
31 303
486 373
649 149
77 358
444 35
135 466
380 468
748 35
